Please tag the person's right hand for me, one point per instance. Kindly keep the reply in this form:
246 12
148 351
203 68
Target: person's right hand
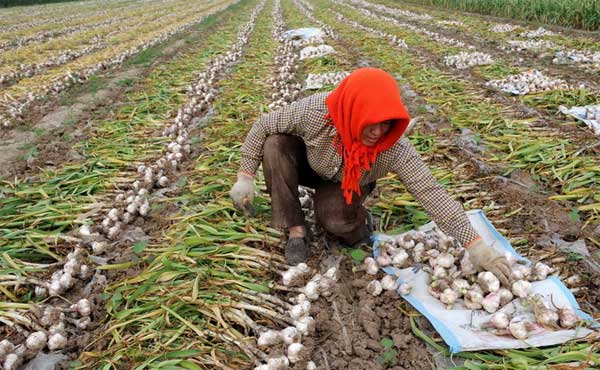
242 194
485 257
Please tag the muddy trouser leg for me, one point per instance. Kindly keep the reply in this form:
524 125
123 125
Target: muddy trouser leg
285 167
347 221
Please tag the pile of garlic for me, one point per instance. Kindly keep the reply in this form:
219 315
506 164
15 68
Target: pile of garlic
64 279
576 56
303 324
450 23
318 80
521 324
455 283
464 60
393 39
503 28
316 51
518 45
528 82
537 33
52 335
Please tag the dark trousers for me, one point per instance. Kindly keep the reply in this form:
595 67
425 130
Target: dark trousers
285 166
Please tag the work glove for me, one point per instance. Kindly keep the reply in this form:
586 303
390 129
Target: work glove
484 257
242 194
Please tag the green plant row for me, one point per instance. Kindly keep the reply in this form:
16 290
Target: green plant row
481 27
191 306
581 14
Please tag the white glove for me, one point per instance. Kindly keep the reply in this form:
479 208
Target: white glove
484 257
242 194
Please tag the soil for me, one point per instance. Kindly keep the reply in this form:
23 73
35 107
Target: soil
351 325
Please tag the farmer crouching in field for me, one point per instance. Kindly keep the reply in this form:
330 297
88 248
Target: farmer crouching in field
339 144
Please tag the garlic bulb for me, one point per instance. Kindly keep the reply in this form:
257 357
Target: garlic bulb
499 320
84 231
568 318
311 366
573 279
83 323
518 328
383 260
400 258
269 338
36 341
331 273
311 290
305 325
473 299
448 297
56 341
374 288
11 362
521 288
389 282
83 307
439 273
371 266
290 335
296 352
300 310
6 347
505 296
547 317
541 271
488 282
491 302
405 288
295 274
445 260
460 286
278 363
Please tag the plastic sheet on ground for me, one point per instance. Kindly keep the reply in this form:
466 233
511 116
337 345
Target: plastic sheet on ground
461 328
314 34
316 51
580 114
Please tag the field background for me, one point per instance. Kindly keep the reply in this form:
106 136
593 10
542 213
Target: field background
95 93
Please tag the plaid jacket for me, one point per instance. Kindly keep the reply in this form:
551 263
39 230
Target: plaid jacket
306 118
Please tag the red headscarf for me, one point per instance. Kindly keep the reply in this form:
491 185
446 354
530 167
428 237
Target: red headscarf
366 97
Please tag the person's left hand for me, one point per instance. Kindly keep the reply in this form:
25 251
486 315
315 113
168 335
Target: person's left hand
484 257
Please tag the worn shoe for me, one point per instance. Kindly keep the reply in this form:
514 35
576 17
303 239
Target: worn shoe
296 251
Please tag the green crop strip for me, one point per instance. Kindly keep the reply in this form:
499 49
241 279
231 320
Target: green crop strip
480 27
203 275
581 14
